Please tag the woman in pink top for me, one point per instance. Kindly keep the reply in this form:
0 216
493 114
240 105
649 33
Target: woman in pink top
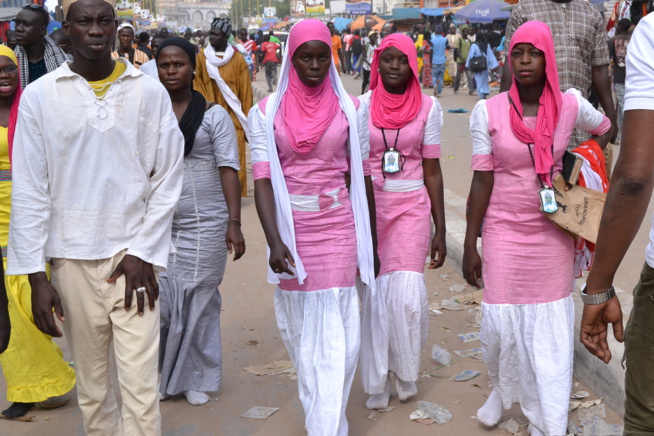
308 153
519 138
405 128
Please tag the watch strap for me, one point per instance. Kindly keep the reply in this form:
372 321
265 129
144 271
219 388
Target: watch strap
600 298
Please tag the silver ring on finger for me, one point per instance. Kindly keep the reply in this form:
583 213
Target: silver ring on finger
140 290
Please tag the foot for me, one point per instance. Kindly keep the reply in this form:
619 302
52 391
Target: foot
17 410
491 412
196 398
270 90
380 401
405 389
456 92
163 397
55 402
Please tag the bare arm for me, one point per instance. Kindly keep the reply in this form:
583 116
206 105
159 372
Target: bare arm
232 190
480 193
434 185
602 87
264 199
626 204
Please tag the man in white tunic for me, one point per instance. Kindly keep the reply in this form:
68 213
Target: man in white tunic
95 188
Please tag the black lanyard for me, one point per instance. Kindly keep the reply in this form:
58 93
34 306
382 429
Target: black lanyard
531 153
397 135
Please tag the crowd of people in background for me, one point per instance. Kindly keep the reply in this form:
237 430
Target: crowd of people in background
346 188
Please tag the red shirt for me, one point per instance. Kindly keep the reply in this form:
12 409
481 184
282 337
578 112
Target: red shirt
250 46
270 50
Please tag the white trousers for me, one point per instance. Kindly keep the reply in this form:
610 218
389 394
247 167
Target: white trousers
528 349
394 328
321 333
95 317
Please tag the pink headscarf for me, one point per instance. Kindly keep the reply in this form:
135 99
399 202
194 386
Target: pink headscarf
307 111
539 35
394 111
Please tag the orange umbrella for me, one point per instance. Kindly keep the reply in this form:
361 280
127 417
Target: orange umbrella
369 21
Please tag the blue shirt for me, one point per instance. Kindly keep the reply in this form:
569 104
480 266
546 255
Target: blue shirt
439 43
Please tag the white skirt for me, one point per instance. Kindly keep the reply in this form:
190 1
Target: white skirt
394 327
321 333
528 349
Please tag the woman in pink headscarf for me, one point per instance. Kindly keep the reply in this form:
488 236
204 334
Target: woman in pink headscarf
309 146
405 128
519 138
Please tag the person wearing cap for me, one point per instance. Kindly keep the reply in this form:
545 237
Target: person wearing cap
223 77
37 54
135 56
95 187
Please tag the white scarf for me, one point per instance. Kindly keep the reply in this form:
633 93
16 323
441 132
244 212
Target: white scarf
213 64
284 213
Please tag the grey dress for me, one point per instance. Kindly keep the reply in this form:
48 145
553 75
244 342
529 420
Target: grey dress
190 348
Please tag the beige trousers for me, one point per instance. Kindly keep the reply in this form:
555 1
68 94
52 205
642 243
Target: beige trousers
96 320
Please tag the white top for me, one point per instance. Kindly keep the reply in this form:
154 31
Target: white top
433 126
639 86
588 119
90 177
150 68
370 54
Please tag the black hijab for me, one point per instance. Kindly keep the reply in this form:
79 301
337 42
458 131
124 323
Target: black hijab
194 113
481 42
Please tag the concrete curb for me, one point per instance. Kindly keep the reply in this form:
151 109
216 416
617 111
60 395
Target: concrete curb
606 381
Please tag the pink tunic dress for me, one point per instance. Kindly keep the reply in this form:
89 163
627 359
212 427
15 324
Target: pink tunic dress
403 224
326 239
526 258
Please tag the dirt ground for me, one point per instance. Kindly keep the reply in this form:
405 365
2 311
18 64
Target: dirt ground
250 337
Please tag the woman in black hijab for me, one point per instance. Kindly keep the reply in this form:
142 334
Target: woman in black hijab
206 226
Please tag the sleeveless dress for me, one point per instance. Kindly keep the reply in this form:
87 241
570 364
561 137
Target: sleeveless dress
395 321
527 265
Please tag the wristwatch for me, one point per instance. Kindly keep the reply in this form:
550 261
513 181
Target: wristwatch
597 298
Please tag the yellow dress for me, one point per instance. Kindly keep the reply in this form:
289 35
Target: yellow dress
33 364
237 76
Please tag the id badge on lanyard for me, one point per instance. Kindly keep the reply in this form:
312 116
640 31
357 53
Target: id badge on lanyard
392 159
547 195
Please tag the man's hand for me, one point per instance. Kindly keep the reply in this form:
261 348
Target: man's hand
138 275
44 299
594 325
